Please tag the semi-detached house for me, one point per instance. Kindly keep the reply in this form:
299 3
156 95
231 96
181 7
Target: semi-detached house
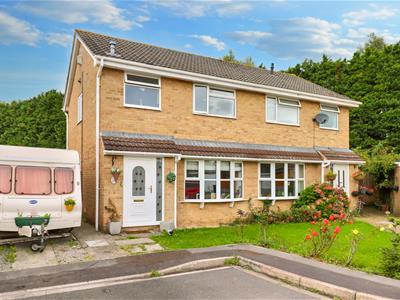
195 138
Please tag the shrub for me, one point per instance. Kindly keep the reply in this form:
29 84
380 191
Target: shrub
322 200
391 256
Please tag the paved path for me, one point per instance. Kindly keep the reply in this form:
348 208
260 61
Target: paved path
139 264
222 283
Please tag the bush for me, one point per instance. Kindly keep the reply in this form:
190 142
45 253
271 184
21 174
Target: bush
322 201
391 256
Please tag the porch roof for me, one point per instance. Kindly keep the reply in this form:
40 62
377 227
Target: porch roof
150 143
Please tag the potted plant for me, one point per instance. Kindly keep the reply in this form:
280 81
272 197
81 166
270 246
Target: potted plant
171 177
359 175
69 204
115 172
114 225
330 176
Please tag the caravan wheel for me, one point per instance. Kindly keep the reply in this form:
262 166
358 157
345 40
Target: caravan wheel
36 247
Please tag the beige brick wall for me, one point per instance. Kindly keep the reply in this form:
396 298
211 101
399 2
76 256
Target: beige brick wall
396 195
81 137
176 117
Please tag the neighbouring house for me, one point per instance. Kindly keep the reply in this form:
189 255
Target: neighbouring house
195 138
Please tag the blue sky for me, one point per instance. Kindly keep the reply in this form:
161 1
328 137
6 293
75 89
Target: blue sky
35 36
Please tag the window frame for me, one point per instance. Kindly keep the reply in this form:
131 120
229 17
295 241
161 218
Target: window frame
79 109
201 179
286 180
337 111
142 84
11 180
210 87
50 183
55 181
278 102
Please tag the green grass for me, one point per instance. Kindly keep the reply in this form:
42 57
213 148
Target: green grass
289 238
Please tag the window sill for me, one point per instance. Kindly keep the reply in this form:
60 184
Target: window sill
277 198
326 128
213 201
203 202
215 116
281 123
142 107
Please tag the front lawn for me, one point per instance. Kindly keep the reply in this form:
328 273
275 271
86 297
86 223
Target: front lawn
289 238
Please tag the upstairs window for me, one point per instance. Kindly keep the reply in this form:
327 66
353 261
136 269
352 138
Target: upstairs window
333 113
283 111
63 180
79 109
5 179
213 101
142 92
32 181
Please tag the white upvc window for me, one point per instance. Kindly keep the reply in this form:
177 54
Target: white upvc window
214 101
333 116
282 111
142 92
213 180
280 180
79 109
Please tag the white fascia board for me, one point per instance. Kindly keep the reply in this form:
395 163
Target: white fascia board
350 162
129 66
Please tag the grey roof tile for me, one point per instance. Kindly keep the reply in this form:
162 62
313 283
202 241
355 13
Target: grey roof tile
168 58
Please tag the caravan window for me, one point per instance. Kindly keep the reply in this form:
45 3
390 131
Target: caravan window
63 180
5 179
32 181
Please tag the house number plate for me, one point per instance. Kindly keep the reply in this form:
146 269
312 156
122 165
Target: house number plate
138 200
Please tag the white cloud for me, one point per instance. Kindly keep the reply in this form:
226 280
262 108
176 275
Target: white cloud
360 35
13 30
195 9
229 9
142 19
73 12
374 12
61 39
298 38
188 46
210 41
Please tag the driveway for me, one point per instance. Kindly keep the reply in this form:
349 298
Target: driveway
222 283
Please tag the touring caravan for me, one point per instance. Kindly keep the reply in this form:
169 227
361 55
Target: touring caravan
39 183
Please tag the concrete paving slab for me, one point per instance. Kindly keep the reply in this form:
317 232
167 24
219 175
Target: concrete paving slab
138 241
28 259
152 248
97 243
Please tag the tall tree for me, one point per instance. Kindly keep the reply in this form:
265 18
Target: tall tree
372 77
248 61
37 122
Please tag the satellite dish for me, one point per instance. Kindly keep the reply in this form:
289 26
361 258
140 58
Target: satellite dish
321 118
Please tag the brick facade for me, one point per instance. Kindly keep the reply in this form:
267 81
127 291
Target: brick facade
176 118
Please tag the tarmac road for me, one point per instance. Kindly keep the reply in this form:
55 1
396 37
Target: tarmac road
222 283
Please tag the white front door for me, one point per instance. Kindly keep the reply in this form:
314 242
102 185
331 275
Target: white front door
342 177
140 205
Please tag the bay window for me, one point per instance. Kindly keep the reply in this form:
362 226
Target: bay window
280 180
283 111
212 180
214 101
142 92
333 116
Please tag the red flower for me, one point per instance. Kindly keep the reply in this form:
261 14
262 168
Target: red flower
326 222
314 233
331 217
308 237
312 222
337 230
342 216
350 222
